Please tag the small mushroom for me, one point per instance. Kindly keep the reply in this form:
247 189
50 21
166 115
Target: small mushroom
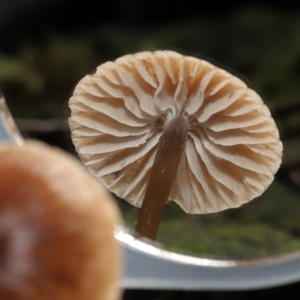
161 126
56 228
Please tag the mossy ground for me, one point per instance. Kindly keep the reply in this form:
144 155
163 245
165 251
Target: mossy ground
267 226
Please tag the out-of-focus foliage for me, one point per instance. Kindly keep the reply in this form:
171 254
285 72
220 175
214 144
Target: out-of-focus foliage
260 45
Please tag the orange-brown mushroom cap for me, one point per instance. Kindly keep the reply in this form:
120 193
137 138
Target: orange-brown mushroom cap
232 150
56 228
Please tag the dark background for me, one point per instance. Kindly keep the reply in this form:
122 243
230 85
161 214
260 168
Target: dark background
46 46
32 18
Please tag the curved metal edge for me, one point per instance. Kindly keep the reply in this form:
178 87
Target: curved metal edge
8 128
149 267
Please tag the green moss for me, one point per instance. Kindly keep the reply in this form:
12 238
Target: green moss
265 227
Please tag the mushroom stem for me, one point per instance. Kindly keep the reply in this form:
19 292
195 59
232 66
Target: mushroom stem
162 177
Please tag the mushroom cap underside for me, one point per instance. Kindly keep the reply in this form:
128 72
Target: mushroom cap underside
232 150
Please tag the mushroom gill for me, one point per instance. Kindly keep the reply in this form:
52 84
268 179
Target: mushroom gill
231 147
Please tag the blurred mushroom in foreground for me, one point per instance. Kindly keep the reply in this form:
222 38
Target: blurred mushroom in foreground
162 126
56 228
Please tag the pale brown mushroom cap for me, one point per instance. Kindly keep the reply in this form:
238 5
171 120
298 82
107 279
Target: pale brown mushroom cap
119 113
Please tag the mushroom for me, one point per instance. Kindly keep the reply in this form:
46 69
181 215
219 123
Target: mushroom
56 228
160 126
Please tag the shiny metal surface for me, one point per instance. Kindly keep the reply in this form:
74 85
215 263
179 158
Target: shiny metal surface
149 267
